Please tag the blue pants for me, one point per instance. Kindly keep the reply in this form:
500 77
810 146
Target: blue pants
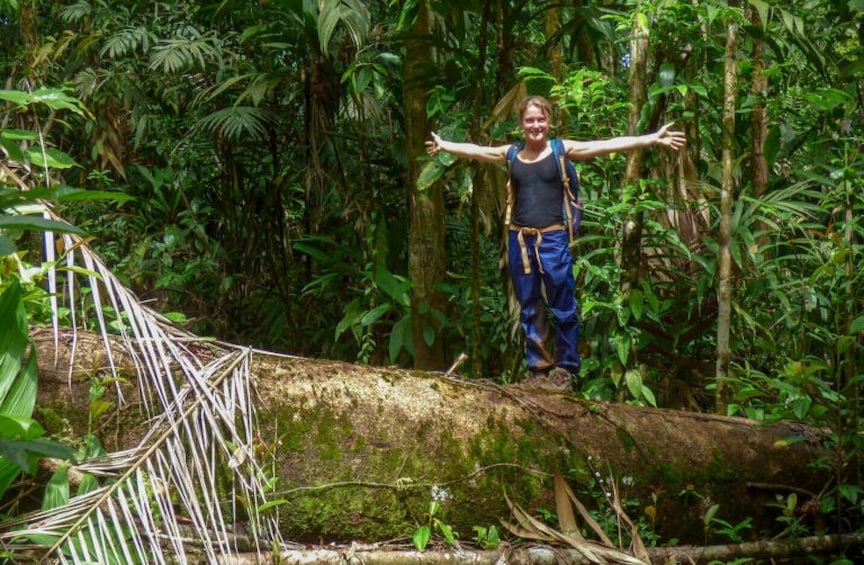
549 268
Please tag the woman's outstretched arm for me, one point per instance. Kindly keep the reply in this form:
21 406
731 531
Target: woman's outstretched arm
663 137
466 150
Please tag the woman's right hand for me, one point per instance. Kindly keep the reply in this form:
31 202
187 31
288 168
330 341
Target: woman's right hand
433 146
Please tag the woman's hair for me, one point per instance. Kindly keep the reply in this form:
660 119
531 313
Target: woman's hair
538 102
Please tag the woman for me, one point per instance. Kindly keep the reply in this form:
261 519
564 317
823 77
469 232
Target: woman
537 234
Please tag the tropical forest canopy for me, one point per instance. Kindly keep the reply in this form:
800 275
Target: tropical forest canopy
281 196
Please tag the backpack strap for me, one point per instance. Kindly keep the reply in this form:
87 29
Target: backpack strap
512 151
561 161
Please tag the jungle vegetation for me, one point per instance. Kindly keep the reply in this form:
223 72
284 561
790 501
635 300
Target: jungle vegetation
255 171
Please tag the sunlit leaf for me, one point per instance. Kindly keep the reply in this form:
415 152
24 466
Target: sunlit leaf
37 223
50 158
421 537
57 489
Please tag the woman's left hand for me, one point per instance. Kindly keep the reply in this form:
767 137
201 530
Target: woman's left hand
670 139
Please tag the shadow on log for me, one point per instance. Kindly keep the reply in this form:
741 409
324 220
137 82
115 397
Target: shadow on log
358 452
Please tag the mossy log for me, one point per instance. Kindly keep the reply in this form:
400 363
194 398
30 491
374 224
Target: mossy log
360 452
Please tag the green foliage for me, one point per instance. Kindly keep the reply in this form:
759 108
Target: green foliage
486 538
717 526
261 149
423 534
21 438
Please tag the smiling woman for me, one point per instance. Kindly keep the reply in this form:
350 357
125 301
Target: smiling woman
540 263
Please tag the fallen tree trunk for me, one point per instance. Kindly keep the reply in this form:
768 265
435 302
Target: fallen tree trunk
358 453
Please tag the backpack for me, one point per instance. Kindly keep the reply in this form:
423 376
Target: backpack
572 207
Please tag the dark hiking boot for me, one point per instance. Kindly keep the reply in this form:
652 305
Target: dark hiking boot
559 379
536 379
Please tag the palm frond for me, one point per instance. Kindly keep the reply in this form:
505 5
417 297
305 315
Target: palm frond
127 41
602 551
237 122
190 480
352 14
189 50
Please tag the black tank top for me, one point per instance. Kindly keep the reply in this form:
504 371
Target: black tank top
537 192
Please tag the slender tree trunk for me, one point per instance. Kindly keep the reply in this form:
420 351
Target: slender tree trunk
426 264
631 251
480 186
30 36
631 244
759 117
849 357
724 286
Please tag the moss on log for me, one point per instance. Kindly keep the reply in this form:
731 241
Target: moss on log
359 452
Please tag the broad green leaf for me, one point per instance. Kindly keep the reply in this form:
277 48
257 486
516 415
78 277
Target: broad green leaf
56 99
88 483
99 407
353 314
421 537
396 287
9 471
762 8
432 171
18 135
622 347
272 504
21 428
51 158
57 490
857 325
850 492
15 96
709 515
37 223
667 74
82 195
11 139
633 378
400 338
636 303
429 335
648 395
375 314
640 24
13 337
20 399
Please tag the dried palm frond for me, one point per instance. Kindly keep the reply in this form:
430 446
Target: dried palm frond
191 481
601 552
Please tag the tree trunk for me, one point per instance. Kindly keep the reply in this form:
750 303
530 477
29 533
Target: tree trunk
631 240
724 238
759 115
631 252
359 453
426 263
479 188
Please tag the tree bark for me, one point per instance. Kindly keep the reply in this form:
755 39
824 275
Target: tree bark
426 264
358 452
724 237
479 188
631 246
759 115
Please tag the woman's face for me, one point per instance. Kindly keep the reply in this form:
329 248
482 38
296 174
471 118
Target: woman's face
535 124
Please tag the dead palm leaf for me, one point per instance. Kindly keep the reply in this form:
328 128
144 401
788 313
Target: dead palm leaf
191 479
528 527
